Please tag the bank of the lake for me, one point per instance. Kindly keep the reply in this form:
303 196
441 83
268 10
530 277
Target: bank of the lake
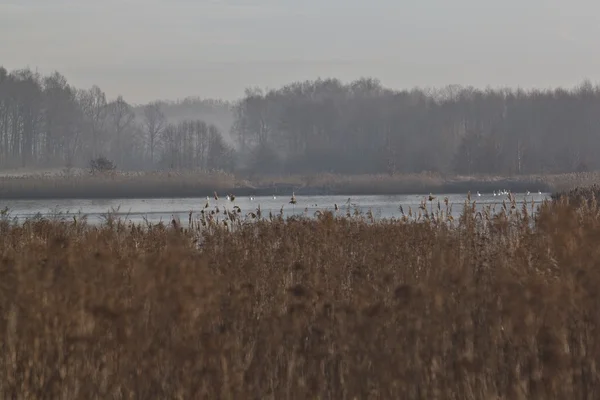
194 185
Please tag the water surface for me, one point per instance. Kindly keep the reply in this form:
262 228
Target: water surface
155 210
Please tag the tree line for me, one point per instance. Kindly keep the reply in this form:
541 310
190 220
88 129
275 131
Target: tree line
308 127
362 127
45 122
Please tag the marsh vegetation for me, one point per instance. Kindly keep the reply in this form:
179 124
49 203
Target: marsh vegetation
482 306
80 184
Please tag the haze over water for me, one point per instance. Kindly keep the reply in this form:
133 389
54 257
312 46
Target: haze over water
156 210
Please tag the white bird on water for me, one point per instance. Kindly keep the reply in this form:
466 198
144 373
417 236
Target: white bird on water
274 197
478 194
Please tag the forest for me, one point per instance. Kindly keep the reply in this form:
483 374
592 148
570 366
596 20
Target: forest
318 126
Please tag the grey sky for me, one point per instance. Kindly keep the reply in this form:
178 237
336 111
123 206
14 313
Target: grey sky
148 49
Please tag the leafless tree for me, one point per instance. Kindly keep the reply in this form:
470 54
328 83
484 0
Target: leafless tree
154 123
305 127
120 116
94 107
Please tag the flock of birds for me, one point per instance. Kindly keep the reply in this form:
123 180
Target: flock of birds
506 192
293 201
231 197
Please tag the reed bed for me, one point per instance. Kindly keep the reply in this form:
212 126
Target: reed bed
580 194
424 182
115 185
501 306
566 182
80 184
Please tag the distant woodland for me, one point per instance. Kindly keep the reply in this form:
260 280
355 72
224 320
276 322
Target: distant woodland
304 128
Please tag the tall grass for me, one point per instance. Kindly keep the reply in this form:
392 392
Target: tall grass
579 195
481 307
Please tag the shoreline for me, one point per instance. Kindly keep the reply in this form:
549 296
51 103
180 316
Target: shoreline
159 186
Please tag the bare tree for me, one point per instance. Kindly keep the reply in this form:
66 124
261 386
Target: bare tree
93 105
121 117
306 127
154 123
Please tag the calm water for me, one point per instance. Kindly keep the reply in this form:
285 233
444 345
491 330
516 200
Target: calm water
155 210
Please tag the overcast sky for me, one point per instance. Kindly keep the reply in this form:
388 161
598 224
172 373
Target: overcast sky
169 49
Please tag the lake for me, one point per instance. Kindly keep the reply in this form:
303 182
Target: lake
155 210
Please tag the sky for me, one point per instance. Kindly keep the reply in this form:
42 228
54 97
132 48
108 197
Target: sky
172 49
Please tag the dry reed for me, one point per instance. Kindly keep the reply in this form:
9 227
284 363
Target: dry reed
483 307
579 195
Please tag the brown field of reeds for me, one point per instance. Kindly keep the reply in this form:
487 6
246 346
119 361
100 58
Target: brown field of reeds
199 184
483 307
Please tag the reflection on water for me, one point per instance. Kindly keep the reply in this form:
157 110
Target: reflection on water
155 210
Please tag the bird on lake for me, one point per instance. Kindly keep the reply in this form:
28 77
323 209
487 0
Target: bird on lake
293 199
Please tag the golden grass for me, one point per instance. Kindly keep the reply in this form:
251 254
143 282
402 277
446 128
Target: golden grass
484 307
